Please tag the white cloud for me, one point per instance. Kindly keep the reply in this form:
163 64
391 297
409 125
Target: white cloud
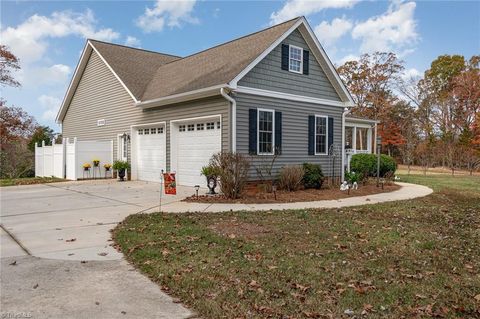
390 31
167 13
349 57
50 104
295 8
329 33
29 40
132 42
411 74
39 76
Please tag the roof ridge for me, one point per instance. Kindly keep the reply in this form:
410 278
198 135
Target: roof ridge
233 40
133 48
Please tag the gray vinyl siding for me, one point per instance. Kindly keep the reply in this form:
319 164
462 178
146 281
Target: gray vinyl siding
294 131
100 95
268 74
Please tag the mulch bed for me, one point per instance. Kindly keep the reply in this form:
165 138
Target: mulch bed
304 195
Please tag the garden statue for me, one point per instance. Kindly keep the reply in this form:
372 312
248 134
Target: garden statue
344 186
355 185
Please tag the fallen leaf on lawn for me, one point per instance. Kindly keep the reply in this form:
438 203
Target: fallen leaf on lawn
165 252
253 284
420 296
272 267
477 297
300 287
71 240
232 236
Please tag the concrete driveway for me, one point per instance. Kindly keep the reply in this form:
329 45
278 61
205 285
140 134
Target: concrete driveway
57 261
72 220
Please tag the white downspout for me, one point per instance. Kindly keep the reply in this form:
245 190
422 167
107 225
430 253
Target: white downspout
233 121
344 114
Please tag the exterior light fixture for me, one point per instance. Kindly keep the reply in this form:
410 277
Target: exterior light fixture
197 187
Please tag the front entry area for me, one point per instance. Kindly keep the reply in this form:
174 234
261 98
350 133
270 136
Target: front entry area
193 142
151 152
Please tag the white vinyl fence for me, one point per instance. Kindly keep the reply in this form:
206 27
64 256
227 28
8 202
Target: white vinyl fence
66 160
49 160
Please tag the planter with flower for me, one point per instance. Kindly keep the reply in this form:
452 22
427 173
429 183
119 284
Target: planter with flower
86 167
121 167
107 167
96 162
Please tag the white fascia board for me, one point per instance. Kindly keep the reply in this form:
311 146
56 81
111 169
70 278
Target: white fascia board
115 74
234 82
291 97
73 82
359 120
327 60
182 97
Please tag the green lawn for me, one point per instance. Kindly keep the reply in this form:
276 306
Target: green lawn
29 181
417 258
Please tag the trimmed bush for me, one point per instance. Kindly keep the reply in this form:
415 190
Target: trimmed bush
366 164
313 176
290 177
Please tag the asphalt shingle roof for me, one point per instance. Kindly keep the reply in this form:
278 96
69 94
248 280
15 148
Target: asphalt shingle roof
135 67
150 75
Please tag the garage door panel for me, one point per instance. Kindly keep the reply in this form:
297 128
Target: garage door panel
151 150
194 150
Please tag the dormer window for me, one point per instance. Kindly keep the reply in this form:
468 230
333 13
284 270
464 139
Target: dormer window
295 59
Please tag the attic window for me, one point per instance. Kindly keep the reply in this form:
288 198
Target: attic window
295 59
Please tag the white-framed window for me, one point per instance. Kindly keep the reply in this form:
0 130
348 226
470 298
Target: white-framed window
295 59
153 130
200 126
265 133
146 131
321 135
140 131
122 150
210 125
191 127
181 128
160 130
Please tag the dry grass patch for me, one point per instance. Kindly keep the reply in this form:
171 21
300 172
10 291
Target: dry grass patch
409 259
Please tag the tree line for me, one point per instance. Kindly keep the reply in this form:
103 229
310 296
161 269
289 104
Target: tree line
430 120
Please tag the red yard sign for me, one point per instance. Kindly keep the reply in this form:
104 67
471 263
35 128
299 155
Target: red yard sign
170 184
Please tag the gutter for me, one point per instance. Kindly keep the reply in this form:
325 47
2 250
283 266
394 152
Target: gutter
233 117
346 110
181 97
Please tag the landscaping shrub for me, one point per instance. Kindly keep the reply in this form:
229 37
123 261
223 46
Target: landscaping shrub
290 177
313 176
232 169
353 177
366 164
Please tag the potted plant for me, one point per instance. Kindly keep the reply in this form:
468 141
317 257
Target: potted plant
96 162
211 173
121 166
107 167
86 166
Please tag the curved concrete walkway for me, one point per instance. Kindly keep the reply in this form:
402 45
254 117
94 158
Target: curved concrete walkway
407 191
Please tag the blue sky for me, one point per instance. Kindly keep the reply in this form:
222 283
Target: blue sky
49 36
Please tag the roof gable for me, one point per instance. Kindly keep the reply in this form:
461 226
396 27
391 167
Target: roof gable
269 75
135 67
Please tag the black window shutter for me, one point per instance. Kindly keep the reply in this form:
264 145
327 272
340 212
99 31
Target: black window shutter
311 135
306 58
252 131
285 55
330 133
278 132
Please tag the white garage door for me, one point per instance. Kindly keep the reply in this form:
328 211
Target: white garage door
195 144
151 153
